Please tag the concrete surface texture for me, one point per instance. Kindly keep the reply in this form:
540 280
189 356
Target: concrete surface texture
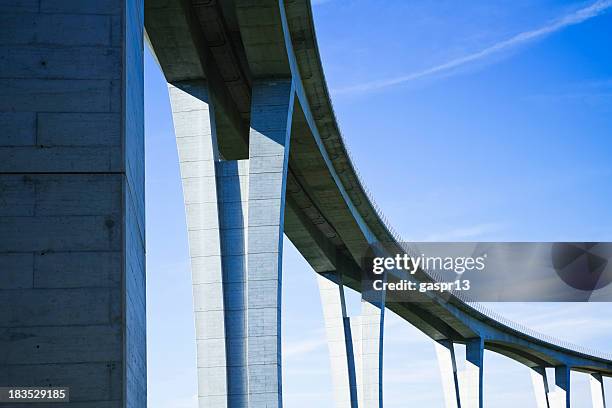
261 154
328 214
235 220
72 262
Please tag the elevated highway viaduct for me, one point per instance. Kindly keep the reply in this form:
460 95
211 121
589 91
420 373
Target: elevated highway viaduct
261 155
259 67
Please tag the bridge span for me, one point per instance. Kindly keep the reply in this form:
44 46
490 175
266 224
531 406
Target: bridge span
261 154
255 123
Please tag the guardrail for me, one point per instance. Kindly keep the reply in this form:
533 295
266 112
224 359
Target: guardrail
456 294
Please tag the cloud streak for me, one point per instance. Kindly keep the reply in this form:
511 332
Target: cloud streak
576 17
303 347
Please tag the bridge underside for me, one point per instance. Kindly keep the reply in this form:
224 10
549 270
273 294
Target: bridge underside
232 46
261 155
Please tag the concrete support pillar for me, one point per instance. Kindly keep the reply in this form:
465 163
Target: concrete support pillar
447 363
560 398
339 341
235 220
355 348
193 117
598 395
472 385
271 115
368 344
462 389
72 238
540 386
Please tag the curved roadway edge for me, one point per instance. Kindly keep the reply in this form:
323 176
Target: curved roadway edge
500 335
329 216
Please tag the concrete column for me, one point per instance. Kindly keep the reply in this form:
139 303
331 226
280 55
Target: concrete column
560 398
72 240
471 387
193 117
371 324
271 115
447 363
598 395
355 347
462 389
235 220
540 386
339 341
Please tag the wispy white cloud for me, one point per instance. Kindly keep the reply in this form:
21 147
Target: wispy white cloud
576 17
300 348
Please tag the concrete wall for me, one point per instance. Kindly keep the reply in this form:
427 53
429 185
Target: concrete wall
72 269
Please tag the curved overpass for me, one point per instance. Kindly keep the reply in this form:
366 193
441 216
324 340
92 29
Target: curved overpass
230 46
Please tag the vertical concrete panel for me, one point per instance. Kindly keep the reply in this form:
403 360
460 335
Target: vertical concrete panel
471 386
271 113
234 219
462 388
356 337
540 386
134 279
194 125
232 190
561 397
598 396
372 325
339 343
447 363
355 348
72 305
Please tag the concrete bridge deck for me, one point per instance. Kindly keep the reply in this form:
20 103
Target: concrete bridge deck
329 216
261 154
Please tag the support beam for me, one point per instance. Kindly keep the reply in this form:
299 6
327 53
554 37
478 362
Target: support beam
72 225
339 341
472 386
370 349
598 395
540 386
560 398
355 347
235 220
272 107
445 352
462 389
195 131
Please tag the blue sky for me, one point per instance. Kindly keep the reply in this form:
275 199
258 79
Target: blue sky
471 120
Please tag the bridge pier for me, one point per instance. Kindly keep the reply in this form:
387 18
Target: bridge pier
560 398
339 342
72 205
235 221
540 386
598 395
355 347
445 352
462 389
